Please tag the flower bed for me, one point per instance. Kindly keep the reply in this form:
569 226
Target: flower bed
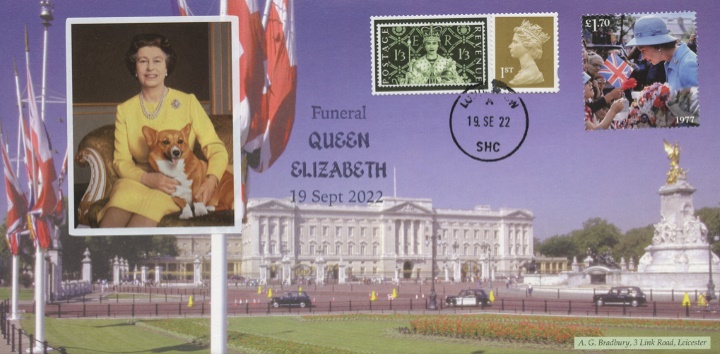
521 330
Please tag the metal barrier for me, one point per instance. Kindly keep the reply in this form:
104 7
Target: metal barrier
18 340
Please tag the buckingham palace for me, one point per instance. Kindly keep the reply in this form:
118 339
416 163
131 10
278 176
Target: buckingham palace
391 239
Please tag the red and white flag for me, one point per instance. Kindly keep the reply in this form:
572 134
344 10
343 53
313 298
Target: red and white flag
180 8
46 177
17 204
252 71
280 87
40 231
59 214
28 158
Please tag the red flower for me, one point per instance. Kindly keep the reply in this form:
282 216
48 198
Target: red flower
629 84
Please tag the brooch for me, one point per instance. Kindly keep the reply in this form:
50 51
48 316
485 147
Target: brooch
176 103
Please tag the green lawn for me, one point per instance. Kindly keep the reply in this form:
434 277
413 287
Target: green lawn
92 336
23 293
292 334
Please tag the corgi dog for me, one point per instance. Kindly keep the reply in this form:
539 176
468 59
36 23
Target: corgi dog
171 155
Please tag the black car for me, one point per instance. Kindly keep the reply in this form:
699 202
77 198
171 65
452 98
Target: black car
291 298
468 297
621 295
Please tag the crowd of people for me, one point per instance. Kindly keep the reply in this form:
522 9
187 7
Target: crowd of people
660 89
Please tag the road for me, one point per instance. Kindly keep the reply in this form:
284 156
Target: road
411 298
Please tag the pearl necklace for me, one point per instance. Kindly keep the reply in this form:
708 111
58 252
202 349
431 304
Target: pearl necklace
156 112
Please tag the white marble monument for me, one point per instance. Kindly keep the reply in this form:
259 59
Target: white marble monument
680 240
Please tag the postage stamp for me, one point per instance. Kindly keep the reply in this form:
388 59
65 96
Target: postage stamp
429 54
526 52
640 70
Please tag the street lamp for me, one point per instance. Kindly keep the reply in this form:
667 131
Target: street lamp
432 304
711 284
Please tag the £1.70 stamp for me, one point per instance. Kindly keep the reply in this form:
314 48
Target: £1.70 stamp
640 70
429 54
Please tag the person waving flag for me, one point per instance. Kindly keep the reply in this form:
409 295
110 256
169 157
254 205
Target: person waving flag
615 70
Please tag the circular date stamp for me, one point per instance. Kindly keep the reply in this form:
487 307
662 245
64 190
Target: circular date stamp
489 126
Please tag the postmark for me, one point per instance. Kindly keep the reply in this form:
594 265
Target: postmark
526 52
486 126
640 70
429 54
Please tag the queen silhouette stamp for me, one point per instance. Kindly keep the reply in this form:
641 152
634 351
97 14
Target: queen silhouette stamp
526 52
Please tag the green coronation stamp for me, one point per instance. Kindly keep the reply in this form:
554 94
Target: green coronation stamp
429 54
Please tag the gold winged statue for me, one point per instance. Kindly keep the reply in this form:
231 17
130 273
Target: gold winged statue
673 152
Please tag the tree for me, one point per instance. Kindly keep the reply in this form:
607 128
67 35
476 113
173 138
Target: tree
558 246
633 243
597 235
26 253
711 218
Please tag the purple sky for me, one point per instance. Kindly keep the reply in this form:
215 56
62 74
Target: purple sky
561 173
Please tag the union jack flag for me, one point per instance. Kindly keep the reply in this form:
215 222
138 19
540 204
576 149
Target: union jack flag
615 70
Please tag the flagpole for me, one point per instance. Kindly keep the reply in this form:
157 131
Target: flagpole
218 278
266 13
14 313
14 291
47 16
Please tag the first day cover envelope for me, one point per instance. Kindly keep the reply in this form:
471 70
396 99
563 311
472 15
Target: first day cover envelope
460 103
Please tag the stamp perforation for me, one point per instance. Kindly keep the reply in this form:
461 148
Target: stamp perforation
487 62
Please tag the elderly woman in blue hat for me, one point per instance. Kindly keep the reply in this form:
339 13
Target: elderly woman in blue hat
654 41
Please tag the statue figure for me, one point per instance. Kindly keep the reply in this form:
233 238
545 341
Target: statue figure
695 230
658 237
673 152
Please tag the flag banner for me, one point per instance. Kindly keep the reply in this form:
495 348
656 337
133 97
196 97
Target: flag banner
44 167
29 155
44 231
17 204
615 70
280 87
252 70
180 8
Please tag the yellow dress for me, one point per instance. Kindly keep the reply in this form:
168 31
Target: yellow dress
131 151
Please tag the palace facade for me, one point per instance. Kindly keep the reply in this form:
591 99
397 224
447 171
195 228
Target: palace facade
384 240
